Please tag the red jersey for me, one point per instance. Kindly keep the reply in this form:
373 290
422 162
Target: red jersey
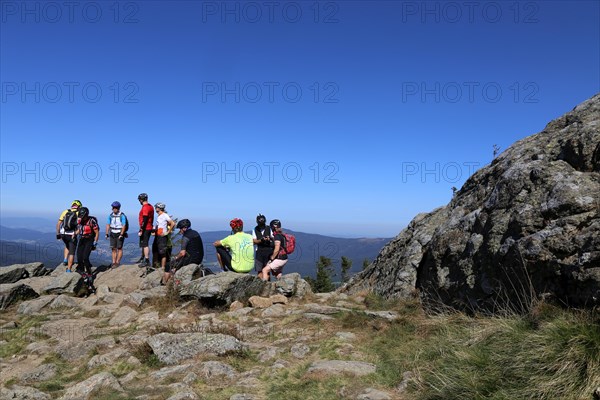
148 210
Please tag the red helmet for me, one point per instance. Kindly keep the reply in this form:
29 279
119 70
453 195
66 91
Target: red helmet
236 224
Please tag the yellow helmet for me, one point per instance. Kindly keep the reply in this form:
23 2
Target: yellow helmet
76 203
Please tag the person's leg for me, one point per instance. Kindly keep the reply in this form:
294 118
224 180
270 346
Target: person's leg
89 243
277 268
120 243
265 274
81 255
66 253
224 258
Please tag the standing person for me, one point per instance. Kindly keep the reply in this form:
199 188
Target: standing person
279 257
263 239
65 231
235 252
146 219
89 231
164 226
116 228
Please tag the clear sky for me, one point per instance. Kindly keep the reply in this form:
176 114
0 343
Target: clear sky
337 117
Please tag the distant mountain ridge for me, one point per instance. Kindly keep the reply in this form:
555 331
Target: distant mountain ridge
20 245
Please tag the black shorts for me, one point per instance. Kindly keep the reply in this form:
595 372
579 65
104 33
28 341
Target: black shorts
161 245
70 242
145 238
262 258
115 243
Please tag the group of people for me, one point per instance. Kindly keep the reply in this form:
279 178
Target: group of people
264 250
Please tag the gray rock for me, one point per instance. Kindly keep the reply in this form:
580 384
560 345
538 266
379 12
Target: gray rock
357 368
406 378
22 393
16 272
8 325
184 394
40 374
275 311
71 351
300 350
84 390
389 315
223 289
212 369
317 316
190 378
123 317
188 273
108 358
321 309
528 223
151 280
346 335
242 396
269 353
11 293
65 283
292 285
373 394
170 371
64 301
172 348
31 307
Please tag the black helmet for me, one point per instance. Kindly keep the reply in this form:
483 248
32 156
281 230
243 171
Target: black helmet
184 223
84 212
261 219
275 223
143 197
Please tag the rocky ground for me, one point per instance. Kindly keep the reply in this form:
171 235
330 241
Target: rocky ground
225 336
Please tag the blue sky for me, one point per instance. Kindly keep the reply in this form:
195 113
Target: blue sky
342 117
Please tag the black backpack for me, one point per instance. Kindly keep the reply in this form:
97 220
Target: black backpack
70 221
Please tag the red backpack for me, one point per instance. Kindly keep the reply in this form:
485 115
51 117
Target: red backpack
290 243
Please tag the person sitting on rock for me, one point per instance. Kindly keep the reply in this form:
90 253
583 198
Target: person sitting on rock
236 251
279 257
192 249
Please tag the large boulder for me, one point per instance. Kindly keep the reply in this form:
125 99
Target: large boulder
11 293
526 225
223 289
16 272
173 348
65 283
86 389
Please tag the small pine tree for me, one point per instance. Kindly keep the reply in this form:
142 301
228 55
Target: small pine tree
346 265
366 263
323 282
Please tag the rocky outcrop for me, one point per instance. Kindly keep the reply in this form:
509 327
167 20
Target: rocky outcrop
527 225
172 348
11 293
14 273
223 289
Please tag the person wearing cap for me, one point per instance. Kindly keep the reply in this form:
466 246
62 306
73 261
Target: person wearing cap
263 240
162 231
115 231
67 234
236 251
146 219
279 257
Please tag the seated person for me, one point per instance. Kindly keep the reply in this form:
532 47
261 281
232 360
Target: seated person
192 249
236 252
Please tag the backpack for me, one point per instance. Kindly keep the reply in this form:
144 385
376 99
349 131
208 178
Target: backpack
290 243
70 221
112 215
92 222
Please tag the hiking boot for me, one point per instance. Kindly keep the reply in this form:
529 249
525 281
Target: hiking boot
145 263
114 265
139 260
65 262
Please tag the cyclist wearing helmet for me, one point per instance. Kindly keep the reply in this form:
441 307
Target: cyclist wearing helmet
115 230
67 233
192 249
89 231
235 252
146 220
163 227
279 257
263 239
